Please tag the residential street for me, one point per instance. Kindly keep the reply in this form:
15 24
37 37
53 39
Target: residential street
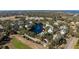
71 42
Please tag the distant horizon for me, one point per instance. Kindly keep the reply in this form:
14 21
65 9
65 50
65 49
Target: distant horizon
68 11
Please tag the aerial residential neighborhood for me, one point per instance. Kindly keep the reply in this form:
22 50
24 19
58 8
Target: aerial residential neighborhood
37 29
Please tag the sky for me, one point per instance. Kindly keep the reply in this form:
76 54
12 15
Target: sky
39 4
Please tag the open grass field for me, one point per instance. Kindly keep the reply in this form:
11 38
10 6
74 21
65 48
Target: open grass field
19 45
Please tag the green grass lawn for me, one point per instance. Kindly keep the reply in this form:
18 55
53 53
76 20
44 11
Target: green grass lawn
19 45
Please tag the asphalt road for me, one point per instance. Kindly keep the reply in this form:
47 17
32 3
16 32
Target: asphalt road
71 42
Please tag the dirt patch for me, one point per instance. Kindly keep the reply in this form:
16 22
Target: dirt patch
28 42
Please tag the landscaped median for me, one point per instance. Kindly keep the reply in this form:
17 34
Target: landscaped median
19 45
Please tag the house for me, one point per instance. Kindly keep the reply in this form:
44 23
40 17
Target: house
63 29
50 30
58 38
77 23
27 18
28 24
31 18
72 23
12 32
56 23
1 28
41 34
37 18
41 18
1 31
49 18
45 42
14 26
47 24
